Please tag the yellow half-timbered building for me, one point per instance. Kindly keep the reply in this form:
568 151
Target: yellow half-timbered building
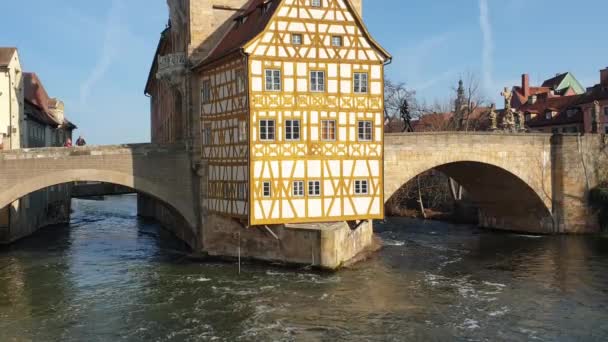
291 115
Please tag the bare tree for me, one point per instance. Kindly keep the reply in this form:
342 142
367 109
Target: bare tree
399 104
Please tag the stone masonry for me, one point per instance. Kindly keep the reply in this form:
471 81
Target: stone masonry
162 172
523 182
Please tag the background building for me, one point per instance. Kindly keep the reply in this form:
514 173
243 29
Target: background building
30 119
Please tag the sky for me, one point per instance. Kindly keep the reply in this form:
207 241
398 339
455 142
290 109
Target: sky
96 55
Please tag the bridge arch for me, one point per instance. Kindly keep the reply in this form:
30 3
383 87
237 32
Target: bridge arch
509 178
141 185
505 201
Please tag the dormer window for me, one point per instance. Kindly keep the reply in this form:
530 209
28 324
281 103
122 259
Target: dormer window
336 41
316 3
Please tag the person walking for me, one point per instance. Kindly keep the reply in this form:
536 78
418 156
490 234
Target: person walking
68 143
81 142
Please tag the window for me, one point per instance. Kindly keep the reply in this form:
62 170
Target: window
206 92
548 115
314 188
273 80
328 130
296 39
317 81
606 129
555 130
360 82
315 3
267 129
361 187
242 131
267 190
240 81
606 111
292 130
365 131
242 191
336 41
207 135
298 189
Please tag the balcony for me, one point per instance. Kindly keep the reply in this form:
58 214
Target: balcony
171 67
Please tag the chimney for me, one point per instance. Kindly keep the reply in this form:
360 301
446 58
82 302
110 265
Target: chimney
604 77
525 85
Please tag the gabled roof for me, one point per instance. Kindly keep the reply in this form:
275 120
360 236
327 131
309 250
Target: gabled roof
161 41
254 21
554 82
39 102
245 28
6 54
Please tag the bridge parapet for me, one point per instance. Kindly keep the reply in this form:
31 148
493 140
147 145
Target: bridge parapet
162 172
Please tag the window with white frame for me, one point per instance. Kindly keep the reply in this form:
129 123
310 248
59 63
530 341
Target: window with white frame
273 80
206 92
242 130
240 81
361 187
336 41
267 130
328 130
316 3
292 130
360 82
314 188
298 189
296 39
317 81
365 131
266 189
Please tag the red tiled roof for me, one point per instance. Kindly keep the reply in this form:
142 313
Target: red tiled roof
560 105
6 54
38 98
255 21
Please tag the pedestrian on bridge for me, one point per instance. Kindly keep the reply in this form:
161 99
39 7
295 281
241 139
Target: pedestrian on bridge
68 143
81 142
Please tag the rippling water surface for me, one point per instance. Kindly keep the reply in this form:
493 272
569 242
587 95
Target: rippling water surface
112 277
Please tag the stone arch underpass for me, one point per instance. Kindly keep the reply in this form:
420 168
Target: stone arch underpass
509 177
160 172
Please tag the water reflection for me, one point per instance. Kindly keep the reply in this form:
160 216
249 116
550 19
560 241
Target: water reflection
112 277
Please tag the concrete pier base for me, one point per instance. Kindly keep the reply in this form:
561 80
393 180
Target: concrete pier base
323 245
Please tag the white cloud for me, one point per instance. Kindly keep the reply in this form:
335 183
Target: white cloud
487 46
110 49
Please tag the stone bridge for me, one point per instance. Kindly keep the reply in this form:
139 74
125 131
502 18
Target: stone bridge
523 182
162 172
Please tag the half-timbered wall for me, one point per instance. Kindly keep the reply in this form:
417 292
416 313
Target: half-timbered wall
224 123
339 163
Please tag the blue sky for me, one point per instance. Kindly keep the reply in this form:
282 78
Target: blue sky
95 55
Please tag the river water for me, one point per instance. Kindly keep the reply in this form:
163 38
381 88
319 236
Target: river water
112 277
